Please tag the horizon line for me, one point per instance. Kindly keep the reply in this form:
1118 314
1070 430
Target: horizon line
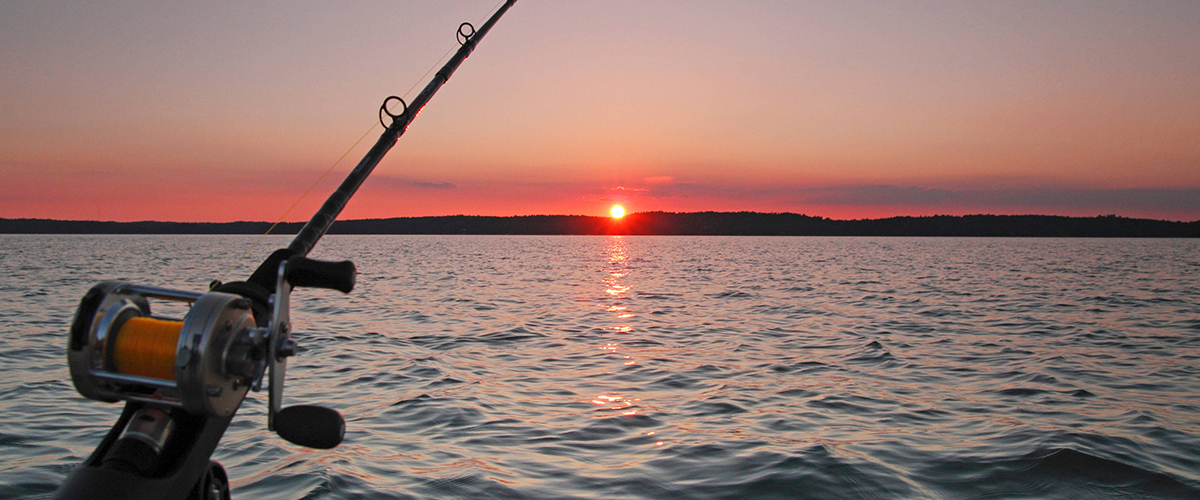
631 214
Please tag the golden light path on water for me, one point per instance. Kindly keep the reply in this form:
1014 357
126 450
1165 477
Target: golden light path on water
616 288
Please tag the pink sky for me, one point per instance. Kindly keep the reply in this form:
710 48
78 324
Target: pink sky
145 111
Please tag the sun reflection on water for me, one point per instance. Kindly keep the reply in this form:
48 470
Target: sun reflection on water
616 288
612 402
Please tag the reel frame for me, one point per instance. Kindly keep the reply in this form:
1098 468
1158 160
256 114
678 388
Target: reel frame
219 354
202 382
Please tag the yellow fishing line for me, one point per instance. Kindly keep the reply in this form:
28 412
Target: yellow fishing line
146 347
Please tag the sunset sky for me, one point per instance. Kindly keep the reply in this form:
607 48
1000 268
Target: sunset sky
216 111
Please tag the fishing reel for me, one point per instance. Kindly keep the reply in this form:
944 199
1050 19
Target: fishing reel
204 363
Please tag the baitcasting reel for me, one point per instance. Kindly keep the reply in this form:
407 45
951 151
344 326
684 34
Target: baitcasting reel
204 363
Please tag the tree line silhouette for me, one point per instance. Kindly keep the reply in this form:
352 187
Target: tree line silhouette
662 223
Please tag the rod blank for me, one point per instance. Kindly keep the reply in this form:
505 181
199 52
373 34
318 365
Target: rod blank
316 227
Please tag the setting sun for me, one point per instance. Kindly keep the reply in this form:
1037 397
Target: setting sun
617 211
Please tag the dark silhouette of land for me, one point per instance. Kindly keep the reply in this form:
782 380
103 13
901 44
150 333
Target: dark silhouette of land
662 223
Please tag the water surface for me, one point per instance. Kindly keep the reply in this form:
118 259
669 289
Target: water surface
671 367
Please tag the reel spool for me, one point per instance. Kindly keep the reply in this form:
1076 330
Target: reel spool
203 363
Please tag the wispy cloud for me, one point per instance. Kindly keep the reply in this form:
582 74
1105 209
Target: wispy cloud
878 195
434 185
401 183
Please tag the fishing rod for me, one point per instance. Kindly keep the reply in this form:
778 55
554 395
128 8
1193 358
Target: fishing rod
182 380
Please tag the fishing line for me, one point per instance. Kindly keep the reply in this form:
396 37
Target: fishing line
435 65
239 260
452 49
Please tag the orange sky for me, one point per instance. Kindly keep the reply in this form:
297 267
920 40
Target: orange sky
138 110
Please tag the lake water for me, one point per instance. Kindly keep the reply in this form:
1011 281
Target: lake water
670 367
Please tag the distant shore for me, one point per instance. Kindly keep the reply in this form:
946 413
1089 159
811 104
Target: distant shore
662 223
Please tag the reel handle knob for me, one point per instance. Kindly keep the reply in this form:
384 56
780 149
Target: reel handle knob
311 426
305 272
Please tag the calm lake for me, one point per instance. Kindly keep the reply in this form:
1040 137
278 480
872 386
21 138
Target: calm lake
669 367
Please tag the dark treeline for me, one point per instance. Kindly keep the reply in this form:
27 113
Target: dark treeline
47 226
662 223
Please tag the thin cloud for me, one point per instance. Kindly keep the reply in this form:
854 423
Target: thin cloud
880 195
434 185
398 182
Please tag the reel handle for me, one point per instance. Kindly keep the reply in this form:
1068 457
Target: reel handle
306 425
305 272
311 426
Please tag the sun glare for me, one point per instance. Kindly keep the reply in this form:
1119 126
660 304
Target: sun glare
617 211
